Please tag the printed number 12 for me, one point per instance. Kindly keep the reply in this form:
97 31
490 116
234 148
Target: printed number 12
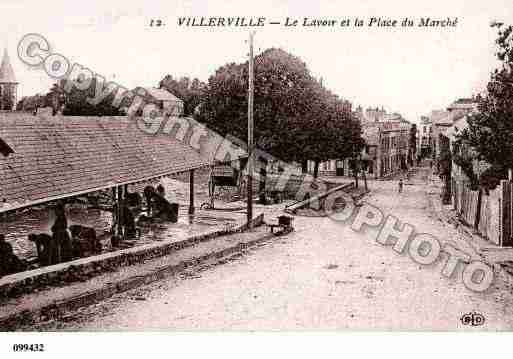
156 22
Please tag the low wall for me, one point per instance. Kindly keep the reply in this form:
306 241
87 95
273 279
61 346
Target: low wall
82 269
54 310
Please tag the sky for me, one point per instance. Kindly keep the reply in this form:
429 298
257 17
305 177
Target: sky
407 70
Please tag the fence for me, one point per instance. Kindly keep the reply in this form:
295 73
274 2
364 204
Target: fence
489 214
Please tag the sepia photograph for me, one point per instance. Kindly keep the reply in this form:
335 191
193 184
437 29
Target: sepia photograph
250 167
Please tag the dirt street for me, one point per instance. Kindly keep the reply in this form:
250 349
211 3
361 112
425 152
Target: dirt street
322 276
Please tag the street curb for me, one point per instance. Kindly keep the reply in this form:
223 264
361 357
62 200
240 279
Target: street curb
60 308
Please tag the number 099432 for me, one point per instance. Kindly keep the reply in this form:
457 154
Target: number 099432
28 347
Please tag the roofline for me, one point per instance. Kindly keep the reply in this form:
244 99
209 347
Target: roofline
74 194
149 95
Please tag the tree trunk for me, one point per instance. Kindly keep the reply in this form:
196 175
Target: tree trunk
263 177
316 169
355 173
365 180
304 166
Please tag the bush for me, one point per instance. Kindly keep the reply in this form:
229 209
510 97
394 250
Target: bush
492 177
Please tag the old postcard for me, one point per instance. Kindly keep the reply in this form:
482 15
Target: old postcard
258 166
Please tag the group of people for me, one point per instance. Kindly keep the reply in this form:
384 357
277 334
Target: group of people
58 247
125 225
158 206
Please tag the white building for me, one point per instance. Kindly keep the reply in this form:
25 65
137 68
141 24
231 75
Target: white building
165 101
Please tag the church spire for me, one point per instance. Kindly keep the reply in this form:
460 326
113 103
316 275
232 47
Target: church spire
6 71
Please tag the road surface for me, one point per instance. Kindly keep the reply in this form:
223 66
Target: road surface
323 276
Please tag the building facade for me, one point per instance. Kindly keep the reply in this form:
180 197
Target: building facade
424 137
442 121
386 150
394 147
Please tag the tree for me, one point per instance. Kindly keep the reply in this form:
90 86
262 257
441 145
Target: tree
19 105
464 157
490 130
334 132
56 97
190 92
77 101
31 103
296 119
445 162
413 144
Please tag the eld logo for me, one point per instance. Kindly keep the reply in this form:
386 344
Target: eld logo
474 319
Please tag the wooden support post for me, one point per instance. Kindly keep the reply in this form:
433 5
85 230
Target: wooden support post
120 211
505 213
251 156
115 212
191 192
262 184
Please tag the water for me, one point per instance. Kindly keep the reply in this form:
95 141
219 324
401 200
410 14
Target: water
40 219
186 226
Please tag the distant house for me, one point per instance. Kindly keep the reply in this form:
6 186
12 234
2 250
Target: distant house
393 148
478 166
424 137
386 148
168 103
464 104
371 134
443 120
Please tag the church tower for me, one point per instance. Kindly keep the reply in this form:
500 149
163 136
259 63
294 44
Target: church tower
8 85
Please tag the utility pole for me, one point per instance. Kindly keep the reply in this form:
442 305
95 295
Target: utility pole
250 134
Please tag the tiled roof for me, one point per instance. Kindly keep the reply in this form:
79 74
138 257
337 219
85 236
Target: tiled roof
449 118
58 157
436 115
213 146
392 117
161 94
463 106
6 71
